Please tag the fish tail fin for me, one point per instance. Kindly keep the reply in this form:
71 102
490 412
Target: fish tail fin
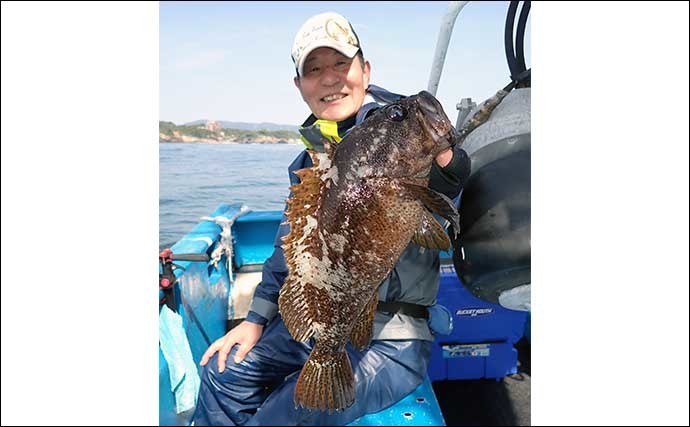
326 382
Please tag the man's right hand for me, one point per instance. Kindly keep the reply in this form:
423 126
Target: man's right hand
246 334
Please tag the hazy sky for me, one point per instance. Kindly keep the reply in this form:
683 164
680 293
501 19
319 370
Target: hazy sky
231 60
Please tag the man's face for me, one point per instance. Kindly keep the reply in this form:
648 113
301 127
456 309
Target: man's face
333 85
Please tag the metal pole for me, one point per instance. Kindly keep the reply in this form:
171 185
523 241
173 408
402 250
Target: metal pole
446 30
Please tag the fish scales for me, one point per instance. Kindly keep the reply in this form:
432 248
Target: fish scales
351 216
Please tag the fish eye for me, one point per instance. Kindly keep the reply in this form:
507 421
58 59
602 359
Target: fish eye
396 113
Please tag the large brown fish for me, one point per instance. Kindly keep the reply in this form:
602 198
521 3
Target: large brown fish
351 217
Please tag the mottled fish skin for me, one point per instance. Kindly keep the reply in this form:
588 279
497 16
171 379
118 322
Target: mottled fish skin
350 218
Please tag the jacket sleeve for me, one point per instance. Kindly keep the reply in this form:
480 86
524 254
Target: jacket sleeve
264 306
450 179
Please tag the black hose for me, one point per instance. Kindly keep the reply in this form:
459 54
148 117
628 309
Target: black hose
520 37
516 55
508 39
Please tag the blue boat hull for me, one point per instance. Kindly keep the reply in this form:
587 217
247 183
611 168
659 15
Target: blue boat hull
480 345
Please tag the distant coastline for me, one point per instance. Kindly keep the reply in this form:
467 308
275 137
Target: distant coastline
185 139
211 132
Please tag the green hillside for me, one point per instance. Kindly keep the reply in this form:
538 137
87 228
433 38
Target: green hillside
212 132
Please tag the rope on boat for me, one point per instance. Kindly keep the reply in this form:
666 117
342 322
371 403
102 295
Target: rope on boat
224 247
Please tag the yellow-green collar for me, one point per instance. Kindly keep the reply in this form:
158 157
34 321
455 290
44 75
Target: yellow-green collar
314 130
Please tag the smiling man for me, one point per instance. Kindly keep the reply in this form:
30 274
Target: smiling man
250 373
332 84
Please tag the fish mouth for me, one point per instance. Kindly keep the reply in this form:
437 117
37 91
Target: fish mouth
435 122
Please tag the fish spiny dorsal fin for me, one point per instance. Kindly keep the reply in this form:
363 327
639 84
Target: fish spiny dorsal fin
303 202
329 147
302 242
315 157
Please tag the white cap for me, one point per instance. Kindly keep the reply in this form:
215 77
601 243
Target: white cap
324 30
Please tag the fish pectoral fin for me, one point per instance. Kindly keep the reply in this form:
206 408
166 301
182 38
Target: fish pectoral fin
430 234
435 202
364 326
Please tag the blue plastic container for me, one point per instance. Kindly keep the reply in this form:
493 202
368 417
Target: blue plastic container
481 344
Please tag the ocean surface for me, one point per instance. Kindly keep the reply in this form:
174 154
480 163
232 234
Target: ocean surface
196 178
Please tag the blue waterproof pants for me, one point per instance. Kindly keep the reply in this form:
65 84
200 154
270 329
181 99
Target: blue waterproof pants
260 389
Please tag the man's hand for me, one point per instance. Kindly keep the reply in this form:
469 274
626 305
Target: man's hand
246 334
444 157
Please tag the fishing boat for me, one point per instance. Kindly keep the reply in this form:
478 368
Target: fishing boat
208 277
